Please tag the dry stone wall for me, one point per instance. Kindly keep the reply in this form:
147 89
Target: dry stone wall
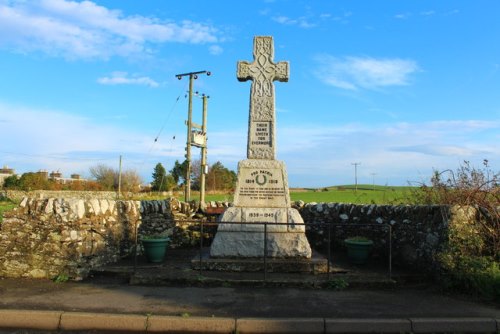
18 195
44 238
52 237
419 233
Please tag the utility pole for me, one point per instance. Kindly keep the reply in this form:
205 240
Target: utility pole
373 179
203 167
356 175
119 179
192 77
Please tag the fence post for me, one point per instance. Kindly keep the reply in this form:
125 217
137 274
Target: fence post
265 252
329 249
390 251
201 246
135 246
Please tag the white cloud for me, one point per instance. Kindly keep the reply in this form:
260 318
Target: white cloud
215 50
397 152
48 139
86 30
321 155
428 13
402 16
302 22
353 73
315 155
122 78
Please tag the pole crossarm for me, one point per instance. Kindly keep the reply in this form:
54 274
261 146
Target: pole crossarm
179 76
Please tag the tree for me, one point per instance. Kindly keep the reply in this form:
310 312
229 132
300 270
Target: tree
106 176
161 180
11 182
220 178
33 181
195 174
131 181
179 171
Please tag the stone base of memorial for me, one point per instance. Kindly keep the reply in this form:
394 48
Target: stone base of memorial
262 216
243 238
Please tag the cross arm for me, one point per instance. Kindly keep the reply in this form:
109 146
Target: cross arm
243 71
282 71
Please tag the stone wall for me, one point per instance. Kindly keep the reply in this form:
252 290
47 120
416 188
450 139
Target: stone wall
18 195
419 233
51 237
45 238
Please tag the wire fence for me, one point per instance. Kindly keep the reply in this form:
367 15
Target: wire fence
333 232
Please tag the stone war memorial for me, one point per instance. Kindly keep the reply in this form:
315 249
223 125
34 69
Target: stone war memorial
262 193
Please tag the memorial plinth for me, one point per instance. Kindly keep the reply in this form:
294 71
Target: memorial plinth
262 193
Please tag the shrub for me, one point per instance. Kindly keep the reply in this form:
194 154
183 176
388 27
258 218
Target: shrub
470 262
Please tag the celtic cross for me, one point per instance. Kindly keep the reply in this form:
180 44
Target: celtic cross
262 71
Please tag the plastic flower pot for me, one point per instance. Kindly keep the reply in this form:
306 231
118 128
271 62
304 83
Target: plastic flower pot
155 249
358 249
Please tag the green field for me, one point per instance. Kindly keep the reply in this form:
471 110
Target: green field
365 194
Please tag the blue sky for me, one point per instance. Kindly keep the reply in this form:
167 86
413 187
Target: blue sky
402 87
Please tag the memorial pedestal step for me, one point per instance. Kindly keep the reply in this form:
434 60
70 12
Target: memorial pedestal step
317 264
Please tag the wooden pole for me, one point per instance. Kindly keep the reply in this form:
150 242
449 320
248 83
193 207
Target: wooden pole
203 152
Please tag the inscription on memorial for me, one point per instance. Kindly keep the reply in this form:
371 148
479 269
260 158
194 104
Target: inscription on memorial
265 215
262 134
262 184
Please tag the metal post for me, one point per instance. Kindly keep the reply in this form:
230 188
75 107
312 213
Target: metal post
265 252
201 246
203 152
390 251
135 247
329 249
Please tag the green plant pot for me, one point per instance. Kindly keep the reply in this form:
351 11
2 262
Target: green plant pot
155 249
358 250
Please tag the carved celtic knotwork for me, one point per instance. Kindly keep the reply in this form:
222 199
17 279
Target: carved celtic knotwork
263 109
262 71
262 153
243 71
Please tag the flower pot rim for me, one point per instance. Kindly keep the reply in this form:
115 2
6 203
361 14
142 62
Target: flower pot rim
358 242
155 239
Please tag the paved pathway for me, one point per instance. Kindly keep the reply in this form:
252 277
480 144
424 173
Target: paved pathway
80 306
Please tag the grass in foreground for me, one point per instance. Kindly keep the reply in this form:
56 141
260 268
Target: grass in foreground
6 205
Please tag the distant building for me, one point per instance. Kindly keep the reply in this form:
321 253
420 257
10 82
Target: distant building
5 172
58 177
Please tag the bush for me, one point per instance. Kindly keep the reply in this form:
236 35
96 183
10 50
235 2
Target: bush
470 261
477 275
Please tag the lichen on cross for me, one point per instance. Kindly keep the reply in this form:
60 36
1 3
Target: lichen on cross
262 119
